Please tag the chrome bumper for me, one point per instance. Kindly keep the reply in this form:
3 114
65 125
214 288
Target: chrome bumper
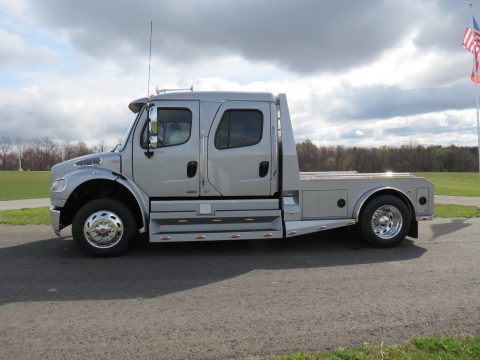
55 219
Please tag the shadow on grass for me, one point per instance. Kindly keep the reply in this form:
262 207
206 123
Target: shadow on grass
55 270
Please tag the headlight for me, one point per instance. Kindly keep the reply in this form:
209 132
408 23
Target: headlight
59 185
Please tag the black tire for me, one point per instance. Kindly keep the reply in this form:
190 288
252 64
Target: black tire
99 220
387 227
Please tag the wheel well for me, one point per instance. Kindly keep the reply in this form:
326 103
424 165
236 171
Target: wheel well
96 189
413 230
392 192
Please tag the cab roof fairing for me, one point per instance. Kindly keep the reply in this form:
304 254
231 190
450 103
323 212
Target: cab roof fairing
212 96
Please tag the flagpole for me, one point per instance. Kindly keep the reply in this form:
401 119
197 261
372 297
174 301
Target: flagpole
478 128
476 97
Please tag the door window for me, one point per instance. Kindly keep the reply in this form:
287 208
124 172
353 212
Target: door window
174 127
239 128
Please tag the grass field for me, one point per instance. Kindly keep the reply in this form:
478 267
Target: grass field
454 183
36 184
36 216
444 348
42 216
456 211
16 185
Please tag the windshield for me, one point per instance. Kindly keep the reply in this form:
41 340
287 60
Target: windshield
127 134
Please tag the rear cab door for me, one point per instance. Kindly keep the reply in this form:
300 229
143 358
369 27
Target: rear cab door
238 150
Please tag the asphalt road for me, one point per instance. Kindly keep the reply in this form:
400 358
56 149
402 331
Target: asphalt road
218 300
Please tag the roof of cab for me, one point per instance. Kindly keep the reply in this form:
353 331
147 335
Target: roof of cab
211 96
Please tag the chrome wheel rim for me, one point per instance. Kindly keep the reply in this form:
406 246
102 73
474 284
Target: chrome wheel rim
103 229
387 222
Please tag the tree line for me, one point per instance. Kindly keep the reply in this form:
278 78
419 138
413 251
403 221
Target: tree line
43 153
407 158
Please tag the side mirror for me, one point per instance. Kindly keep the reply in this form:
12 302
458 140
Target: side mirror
153 124
153 127
153 141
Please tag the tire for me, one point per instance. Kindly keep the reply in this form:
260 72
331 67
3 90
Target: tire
385 221
103 227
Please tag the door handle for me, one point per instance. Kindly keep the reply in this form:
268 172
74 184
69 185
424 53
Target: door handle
191 169
263 169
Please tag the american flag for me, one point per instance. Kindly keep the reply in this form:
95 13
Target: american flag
471 42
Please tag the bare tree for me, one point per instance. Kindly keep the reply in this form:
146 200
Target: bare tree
5 144
21 147
63 149
411 157
100 147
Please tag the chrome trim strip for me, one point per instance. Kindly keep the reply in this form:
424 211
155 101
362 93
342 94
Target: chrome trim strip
203 158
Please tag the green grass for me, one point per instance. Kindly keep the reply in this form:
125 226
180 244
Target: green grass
36 184
40 216
16 185
454 183
445 348
456 211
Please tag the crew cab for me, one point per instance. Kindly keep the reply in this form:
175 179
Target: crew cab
206 166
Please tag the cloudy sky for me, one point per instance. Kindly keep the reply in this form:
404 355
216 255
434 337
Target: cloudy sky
367 72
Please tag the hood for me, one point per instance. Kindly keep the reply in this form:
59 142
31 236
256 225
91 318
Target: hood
106 160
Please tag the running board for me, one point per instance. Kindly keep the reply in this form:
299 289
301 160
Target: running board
213 225
296 228
215 236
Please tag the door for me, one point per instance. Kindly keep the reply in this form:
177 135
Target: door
239 150
172 171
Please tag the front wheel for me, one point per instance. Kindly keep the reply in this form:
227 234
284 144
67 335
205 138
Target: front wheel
103 227
385 221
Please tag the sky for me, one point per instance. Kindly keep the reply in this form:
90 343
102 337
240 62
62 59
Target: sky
356 73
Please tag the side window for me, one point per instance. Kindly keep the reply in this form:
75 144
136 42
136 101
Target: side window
174 127
239 128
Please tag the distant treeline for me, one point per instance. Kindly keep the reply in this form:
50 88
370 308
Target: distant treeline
42 154
407 158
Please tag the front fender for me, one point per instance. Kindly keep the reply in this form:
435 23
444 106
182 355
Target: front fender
78 177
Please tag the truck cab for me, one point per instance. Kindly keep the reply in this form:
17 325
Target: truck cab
205 166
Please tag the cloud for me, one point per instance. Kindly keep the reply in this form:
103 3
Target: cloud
378 102
304 36
370 72
64 111
438 128
15 52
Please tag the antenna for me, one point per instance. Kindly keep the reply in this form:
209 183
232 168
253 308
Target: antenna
149 59
149 153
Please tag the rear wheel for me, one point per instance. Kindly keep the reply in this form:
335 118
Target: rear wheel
385 221
103 227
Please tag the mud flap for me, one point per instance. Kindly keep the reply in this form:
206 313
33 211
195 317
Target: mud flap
413 232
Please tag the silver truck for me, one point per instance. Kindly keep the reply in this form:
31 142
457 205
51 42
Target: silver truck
204 166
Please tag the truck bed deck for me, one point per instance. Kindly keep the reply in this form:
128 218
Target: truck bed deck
326 175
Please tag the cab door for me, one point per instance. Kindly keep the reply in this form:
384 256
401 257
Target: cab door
172 171
239 154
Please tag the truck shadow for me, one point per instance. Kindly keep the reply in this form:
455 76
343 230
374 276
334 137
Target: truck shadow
55 270
453 225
